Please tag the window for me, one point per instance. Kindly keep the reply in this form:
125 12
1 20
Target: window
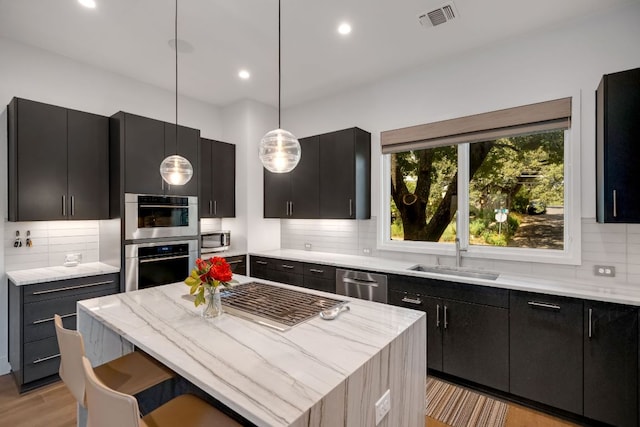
506 190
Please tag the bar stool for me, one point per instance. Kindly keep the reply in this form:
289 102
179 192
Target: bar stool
109 408
129 374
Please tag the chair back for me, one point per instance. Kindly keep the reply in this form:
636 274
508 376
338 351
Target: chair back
107 407
71 348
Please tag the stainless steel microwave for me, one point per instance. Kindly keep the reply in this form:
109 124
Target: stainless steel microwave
215 241
151 216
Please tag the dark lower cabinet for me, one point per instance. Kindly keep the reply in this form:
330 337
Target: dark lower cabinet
311 276
464 339
33 348
546 350
611 363
238 264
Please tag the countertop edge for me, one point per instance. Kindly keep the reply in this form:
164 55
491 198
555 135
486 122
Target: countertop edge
52 274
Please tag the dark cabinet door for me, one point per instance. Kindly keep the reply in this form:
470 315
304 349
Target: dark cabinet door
304 181
611 363
476 343
205 198
337 177
223 176
37 161
144 151
434 308
617 152
546 350
277 194
88 163
188 147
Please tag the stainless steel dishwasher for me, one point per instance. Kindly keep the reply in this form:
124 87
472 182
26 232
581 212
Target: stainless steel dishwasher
360 284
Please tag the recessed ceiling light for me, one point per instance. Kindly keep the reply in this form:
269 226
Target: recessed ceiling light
244 74
91 4
344 28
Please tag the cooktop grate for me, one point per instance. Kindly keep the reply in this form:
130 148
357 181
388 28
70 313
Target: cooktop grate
274 306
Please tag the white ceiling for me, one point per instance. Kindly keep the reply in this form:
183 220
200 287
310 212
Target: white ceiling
130 37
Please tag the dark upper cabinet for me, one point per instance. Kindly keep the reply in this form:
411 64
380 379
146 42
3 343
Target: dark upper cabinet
617 148
58 163
295 194
144 143
546 350
217 179
345 174
332 180
611 363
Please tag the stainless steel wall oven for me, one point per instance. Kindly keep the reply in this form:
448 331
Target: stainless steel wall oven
151 216
158 263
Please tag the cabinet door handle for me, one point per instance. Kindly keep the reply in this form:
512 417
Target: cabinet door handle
73 206
44 359
50 319
290 208
445 317
215 207
590 318
615 203
416 301
210 207
70 288
438 316
261 262
350 207
288 267
315 270
544 305
64 205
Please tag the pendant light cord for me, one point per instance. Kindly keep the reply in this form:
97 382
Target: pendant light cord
279 63
176 47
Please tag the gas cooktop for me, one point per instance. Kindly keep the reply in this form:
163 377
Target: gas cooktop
273 306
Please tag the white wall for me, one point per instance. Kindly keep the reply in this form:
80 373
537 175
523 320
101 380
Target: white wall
562 61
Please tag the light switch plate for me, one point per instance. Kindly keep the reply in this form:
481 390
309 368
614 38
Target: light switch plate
383 405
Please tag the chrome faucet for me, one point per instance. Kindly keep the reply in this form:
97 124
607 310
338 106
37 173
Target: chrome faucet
458 250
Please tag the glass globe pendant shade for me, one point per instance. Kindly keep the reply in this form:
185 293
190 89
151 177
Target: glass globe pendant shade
176 170
279 151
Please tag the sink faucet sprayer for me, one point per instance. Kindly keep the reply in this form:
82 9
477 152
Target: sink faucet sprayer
458 250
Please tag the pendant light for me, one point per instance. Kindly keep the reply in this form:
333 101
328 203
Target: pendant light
279 150
175 169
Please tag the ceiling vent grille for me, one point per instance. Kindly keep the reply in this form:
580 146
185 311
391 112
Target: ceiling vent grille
444 13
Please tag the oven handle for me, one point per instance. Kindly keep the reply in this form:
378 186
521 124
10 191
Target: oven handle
165 258
163 206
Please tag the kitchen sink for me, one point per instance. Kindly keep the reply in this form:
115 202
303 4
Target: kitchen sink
456 271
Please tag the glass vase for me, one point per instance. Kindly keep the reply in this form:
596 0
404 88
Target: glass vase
213 306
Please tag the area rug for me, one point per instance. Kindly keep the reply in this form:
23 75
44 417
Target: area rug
459 407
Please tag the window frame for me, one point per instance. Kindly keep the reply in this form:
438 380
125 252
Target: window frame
571 252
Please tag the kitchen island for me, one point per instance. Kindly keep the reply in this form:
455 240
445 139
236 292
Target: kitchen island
318 373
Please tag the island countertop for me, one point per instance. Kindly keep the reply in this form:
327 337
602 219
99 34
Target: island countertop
318 373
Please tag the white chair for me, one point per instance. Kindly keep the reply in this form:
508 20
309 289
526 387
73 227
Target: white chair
110 408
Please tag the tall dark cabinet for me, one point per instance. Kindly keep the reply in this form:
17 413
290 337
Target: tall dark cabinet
611 363
217 197
58 163
617 147
138 146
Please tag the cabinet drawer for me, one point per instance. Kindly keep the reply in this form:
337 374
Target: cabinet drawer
238 264
320 284
63 288
38 316
320 271
41 359
289 266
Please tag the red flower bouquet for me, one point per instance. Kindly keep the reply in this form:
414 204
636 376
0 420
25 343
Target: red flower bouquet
208 274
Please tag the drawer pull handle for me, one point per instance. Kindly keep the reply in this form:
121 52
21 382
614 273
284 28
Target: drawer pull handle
289 267
544 305
70 288
238 261
416 301
315 270
44 359
64 316
261 262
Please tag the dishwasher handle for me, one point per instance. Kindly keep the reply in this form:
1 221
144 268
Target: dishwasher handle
371 283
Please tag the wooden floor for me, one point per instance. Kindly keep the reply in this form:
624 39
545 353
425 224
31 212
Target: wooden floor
53 406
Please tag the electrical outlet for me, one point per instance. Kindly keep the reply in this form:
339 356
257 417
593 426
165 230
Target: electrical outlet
366 251
604 270
383 405
307 246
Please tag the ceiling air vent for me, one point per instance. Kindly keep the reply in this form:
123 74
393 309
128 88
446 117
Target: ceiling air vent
444 13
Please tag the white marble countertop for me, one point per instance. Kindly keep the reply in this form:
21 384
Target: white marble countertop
622 295
50 274
269 377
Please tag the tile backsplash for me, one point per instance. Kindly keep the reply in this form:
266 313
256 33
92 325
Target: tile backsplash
52 240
